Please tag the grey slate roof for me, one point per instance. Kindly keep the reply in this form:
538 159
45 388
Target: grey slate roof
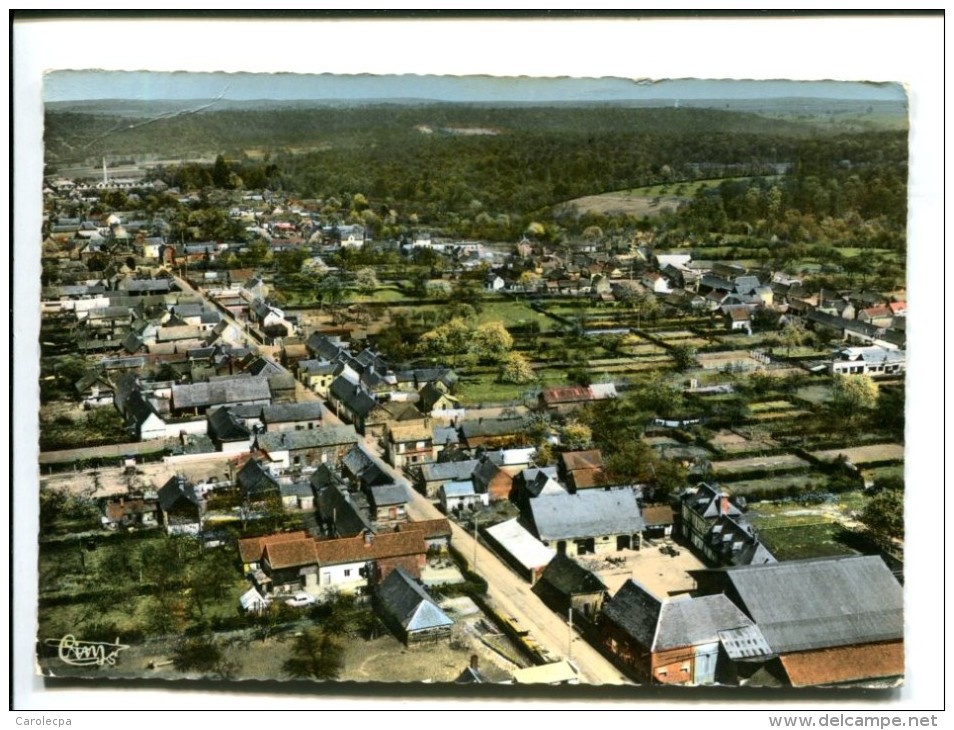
384 495
458 489
254 479
693 621
445 435
352 397
590 513
636 611
291 412
327 435
176 489
363 468
493 427
570 578
340 510
220 392
224 426
451 470
409 603
814 604
297 489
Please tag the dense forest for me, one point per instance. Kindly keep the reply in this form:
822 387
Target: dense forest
489 173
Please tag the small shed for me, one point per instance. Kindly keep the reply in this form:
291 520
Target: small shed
410 611
455 496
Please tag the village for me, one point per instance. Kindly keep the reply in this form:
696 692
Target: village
306 453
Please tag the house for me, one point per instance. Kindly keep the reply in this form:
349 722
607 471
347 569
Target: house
566 585
197 398
295 449
491 479
591 521
582 469
569 398
180 510
95 389
340 512
830 620
716 527
128 511
303 416
739 318
520 548
297 495
142 418
410 443
659 520
535 482
458 496
410 612
352 564
257 484
494 432
317 374
228 432
677 641
434 399
430 477
251 548
363 469
437 533
388 504
872 360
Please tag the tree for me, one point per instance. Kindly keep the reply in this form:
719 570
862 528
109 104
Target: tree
884 512
492 341
793 334
684 356
576 435
366 280
852 396
315 655
204 655
517 369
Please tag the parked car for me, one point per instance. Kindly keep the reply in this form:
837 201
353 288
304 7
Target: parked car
300 599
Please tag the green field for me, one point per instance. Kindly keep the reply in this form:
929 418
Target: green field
800 542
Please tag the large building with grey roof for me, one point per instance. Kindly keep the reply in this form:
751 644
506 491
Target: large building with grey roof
831 620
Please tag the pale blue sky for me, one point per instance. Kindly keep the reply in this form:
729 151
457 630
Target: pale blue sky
87 85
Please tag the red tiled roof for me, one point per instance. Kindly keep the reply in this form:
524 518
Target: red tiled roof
356 549
251 548
291 554
585 478
431 528
570 394
845 664
573 460
657 514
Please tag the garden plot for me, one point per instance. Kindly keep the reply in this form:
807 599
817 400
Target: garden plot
815 394
778 462
739 360
872 454
773 410
734 443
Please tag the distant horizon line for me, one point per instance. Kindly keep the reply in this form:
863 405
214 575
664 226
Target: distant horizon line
93 85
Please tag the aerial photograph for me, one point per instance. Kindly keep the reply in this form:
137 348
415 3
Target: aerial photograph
472 380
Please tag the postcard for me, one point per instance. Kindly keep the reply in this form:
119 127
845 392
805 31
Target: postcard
442 380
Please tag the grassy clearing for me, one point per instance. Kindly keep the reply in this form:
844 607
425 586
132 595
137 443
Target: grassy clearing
772 405
758 463
864 454
816 394
779 485
799 542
